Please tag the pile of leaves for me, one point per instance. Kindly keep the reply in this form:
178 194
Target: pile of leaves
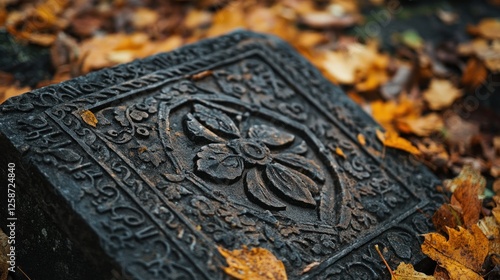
428 97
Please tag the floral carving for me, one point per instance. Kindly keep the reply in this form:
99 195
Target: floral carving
270 178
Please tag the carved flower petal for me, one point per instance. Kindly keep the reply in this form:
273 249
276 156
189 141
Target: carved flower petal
291 184
270 135
219 162
216 119
257 191
302 164
195 129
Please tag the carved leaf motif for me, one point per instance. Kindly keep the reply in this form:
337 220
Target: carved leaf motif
219 162
196 129
302 164
270 135
216 120
66 155
292 184
257 190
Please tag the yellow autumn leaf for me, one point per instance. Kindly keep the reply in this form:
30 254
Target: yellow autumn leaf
407 272
441 94
462 255
253 264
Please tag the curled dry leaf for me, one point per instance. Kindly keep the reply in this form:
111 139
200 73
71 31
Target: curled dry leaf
407 272
255 263
462 255
441 94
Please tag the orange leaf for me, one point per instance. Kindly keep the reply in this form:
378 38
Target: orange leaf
462 255
89 118
256 263
361 139
339 152
392 139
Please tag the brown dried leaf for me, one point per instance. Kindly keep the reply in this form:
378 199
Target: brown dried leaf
462 255
466 188
89 118
407 272
441 94
474 74
447 216
256 263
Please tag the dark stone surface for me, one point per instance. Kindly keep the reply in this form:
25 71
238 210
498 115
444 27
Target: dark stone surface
227 142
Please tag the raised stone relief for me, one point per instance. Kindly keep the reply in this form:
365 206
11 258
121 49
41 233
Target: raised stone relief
227 142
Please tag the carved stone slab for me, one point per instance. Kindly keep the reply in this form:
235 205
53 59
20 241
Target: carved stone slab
227 142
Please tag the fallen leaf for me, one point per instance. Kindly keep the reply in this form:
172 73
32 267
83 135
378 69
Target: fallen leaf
466 188
361 139
447 216
441 94
496 186
392 139
412 39
387 112
407 272
4 265
144 17
462 255
474 73
11 91
356 63
339 152
89 118
329 20
422 126
488 28
488 52
447 17
256 263
491 230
